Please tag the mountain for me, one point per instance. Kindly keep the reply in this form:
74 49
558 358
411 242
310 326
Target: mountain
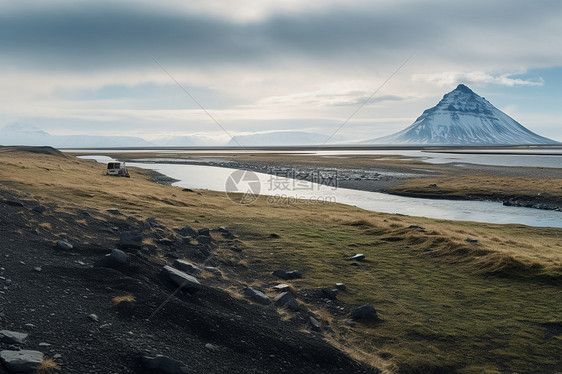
17 134
464 118
278 138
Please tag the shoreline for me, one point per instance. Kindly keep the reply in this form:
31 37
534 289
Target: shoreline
382 181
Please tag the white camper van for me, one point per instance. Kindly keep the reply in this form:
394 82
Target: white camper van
117 169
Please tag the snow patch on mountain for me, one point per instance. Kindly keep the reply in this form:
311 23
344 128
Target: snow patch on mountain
464 118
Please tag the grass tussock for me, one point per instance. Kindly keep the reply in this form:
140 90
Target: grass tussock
47 366
119 299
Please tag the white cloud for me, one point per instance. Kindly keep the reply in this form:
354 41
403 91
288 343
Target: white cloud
447 79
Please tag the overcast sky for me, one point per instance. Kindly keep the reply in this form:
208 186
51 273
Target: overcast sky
108 67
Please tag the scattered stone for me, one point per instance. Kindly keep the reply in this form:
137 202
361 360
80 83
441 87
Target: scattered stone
12 337
187 267
329 293
8 282
93 317
151 223
126 307
416 227
365 312
236 249
213 270
341 286
65 246
117 260
43 344
187 231
187 190
293 274
358 257
58 355
470 240
181 279
274 236
432 185
39 209
204 232
37 269
314 324
131 239
12 202
113 211
257 296
287 300
211 347
282 287
23 361
165 242
223 229
163 364
204 239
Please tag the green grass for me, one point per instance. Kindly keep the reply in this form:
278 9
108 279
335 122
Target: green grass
446 305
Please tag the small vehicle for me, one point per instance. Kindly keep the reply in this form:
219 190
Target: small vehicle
117 169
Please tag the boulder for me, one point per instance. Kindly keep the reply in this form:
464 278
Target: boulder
12 337
470 240
23 361
204 232
117 259
341 286
213 270
287 300
365 312
358 257
257 296
163 364
204 239
328 293
282 287
65 246
187 231
39 209
131 239
12 202
283 274
314 324
181 279
151 223
113 211
187 267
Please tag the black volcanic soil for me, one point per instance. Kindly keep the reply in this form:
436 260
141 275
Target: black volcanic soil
50 293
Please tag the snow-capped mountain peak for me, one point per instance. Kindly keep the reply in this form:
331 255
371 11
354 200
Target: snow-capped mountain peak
464 118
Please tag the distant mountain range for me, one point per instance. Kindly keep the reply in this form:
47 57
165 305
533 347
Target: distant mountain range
278 138
464 118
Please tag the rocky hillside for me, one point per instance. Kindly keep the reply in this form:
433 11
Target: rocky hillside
89 291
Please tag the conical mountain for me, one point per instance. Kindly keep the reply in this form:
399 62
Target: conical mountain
464 118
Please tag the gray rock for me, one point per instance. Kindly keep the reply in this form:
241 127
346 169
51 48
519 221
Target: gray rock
204 232
470 240
187 231
185 281
187 267
314 324
328 293
287 300
131 239
12 202
341 286
204 239
151 223
416 227
366 312
163 364
282 287
257 296
113 211
211 347
39 209
94 317
432 185
117 259
293 274
358 257
12 337
65 246
23 361
37 269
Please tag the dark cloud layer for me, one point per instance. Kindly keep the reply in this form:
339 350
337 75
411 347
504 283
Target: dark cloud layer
114 37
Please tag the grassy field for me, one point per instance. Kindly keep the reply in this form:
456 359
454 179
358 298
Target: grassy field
446 305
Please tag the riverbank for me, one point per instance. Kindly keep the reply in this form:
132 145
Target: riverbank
532 187
443 303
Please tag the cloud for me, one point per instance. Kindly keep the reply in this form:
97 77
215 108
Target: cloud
447 79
